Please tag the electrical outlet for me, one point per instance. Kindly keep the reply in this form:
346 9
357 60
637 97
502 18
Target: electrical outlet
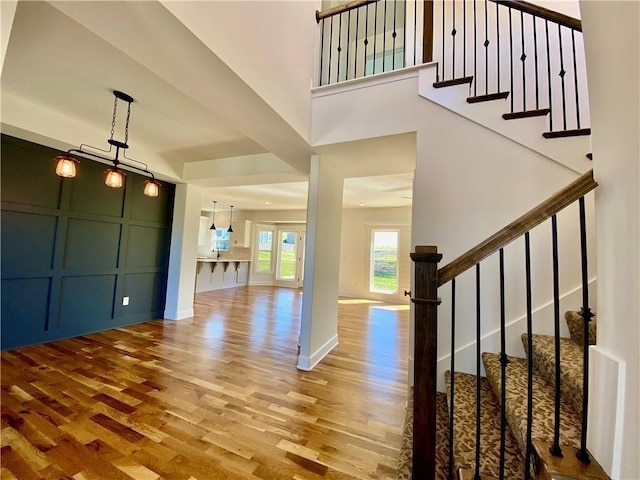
125 301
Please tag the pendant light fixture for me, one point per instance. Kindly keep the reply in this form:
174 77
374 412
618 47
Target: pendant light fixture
115 176
230 229
213 221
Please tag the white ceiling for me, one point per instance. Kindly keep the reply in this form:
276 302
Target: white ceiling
67 57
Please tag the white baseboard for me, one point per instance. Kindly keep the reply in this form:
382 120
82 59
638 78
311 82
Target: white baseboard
308 363
178 315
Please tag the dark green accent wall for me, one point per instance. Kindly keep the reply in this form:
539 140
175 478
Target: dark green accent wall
72 248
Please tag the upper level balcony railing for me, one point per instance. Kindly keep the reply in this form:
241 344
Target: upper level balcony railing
366 37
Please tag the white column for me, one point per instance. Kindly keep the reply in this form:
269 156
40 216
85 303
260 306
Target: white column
184 250
319 324
612 48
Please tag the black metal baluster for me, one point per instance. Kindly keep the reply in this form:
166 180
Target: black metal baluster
444 71
504 360
346 72
555 448
575 76
330 50
355 43
527 463
546 29
498 43
562 74
384 38
464 38
375 37
486 47
404 34
453 41
366 40
582 453
393 55
523 58
453 369
511 56
535 61
415 30
478 373
339 47
321 49
475 51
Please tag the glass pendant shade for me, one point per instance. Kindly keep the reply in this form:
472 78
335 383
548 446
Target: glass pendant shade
66 167
230 229
151 188
115 178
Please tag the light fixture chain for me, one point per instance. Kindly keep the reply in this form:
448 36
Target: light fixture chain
113 120
126 127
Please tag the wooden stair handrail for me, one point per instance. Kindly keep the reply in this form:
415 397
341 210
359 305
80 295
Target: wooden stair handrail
341 8
514 230
541 12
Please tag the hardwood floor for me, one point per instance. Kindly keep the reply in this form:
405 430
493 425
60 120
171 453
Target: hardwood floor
216 397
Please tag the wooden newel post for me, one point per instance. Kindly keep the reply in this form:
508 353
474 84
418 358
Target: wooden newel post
425 356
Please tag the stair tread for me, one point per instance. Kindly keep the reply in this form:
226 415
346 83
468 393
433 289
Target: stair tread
488 98
464 430
576 327
567 467
571 359
541 112
405 463
464 474
576 132
452 82
543 404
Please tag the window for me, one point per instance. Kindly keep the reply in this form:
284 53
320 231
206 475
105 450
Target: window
265 251
288 255
220 240
384 261
384 61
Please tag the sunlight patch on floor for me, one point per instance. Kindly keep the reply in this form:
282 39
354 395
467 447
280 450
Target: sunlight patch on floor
356 301
396 308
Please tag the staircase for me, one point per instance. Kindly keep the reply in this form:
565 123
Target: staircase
464 452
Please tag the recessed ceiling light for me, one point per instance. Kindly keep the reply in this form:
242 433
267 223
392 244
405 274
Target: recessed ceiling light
362 204
267 202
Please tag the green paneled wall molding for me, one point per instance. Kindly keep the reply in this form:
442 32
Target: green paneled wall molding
72 248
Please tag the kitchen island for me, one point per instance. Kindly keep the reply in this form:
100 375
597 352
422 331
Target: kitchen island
219 273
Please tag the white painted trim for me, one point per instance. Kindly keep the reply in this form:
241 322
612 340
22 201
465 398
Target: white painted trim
569 152
178 315
369 81
309 363
606 387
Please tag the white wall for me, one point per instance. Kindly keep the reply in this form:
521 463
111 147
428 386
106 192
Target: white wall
469 183
355 250
7 14
267 44
612 46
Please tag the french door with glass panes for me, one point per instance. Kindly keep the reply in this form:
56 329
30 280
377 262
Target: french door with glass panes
290 265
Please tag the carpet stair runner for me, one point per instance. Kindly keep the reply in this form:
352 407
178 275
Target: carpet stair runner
543 357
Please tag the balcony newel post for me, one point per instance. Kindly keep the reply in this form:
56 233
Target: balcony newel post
426 303
427 31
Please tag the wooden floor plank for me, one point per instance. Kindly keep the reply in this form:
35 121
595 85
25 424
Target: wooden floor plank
217 396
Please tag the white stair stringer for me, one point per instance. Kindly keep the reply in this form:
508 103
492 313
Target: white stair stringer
568 151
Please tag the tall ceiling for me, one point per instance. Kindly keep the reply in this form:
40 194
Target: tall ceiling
193 120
